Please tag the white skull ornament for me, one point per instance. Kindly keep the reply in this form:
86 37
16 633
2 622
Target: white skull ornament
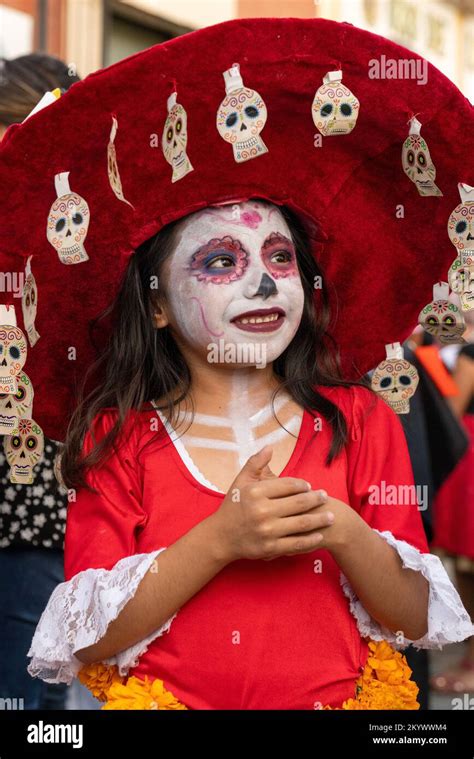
335 108
13 350
461 282
175 139
112 165
461 225
24 450
29 305
17 405
241 117
417 162
395 380
68 222
442 318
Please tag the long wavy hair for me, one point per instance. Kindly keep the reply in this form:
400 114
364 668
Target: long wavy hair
141 363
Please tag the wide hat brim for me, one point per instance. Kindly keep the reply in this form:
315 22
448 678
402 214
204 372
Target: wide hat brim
380 266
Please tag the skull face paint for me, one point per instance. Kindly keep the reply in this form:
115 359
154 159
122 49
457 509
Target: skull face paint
233 280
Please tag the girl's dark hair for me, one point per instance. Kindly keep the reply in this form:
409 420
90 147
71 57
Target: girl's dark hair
141 363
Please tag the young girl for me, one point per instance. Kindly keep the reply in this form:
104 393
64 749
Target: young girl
239 495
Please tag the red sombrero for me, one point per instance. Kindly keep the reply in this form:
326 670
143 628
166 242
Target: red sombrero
118 156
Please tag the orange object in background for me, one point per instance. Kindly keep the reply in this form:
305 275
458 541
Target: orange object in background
428 355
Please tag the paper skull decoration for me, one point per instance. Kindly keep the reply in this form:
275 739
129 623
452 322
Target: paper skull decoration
395 379
241 117
13 350
174 139
461 282
461 225
335 109
442 318
68 222
24 450
417 162
112 166
15 406
29 305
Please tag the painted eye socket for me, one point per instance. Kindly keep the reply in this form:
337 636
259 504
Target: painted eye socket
346 109
422 159
77 218
281 257
385 382
15 442
31 443
169 134
20 393
231 119
410 157
33 297
461 227
405 379
432 321
60 224
449 320
326 110
179 126
220 262
14 352
251 112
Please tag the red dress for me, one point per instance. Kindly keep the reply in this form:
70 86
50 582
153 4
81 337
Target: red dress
259 635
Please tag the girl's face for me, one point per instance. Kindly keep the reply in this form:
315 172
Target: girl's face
233 277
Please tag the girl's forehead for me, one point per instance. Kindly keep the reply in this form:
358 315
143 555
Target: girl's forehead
247 220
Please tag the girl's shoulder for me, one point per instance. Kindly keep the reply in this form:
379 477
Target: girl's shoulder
357 403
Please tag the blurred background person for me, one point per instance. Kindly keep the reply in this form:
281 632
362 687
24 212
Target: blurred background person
454 515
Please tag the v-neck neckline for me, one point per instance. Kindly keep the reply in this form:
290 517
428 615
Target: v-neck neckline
186 464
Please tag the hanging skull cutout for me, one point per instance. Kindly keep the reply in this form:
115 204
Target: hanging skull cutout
395 379
417 162
241 117
13 350
29 304
112 166
461 225
442 318
24 450
174 139
335 108
68 222
461 282
13 407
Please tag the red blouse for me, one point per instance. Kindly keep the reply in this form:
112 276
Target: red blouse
259 635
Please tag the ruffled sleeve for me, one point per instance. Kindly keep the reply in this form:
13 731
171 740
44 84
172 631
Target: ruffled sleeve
102 566
383 492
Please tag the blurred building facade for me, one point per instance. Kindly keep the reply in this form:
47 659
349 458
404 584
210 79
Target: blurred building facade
90 34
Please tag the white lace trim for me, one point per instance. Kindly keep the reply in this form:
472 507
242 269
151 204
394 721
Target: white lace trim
448 620
78 614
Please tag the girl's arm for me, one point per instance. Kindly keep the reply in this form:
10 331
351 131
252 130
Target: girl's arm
396 597
174 577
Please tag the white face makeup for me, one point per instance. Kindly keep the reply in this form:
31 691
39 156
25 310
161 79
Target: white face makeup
234 282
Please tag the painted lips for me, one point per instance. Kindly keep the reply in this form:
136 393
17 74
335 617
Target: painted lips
260 320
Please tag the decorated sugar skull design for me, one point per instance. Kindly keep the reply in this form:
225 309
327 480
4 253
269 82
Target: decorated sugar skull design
24 450
335 108
443 319
68 222
461 225
17 405
241 117
112 166
395 380
13 352
175 139
417 162
29 305
461 282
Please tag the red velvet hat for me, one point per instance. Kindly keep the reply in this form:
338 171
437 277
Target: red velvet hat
324 108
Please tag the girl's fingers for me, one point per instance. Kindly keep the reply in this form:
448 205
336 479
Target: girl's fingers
300 525
299 503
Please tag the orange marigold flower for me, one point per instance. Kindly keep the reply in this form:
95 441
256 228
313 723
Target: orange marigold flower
98 678
141 694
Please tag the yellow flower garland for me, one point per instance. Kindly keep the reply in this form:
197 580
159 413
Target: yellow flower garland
384 684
